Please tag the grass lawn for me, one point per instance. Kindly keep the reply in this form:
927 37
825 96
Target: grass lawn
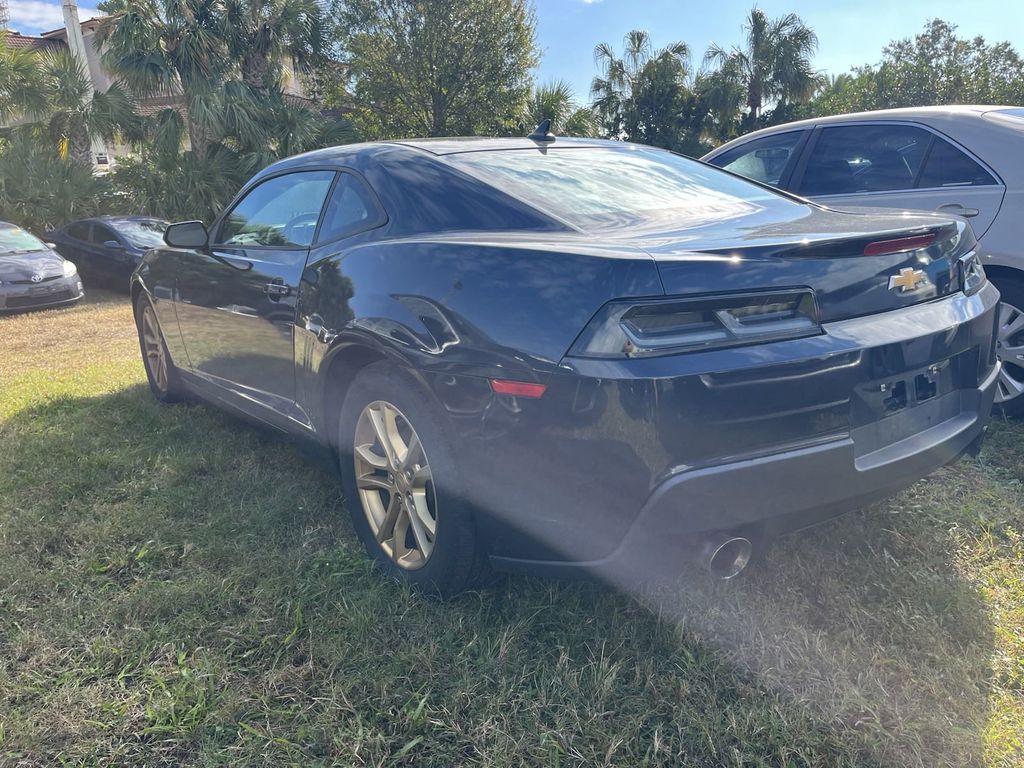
179 588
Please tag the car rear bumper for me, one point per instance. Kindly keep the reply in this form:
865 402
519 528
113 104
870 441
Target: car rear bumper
621 462
55 293
795 489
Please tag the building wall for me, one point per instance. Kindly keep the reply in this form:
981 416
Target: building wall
100 79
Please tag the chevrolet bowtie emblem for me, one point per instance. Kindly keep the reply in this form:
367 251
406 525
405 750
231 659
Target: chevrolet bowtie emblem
907 280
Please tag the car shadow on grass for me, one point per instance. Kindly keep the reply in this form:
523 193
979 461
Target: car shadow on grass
181 588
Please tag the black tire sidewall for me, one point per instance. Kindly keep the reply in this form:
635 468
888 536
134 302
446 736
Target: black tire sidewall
455 563
174 391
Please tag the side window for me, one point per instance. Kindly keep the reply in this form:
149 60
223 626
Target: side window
281 212
947 166
79 230
100 234
351 209
763 160
864 158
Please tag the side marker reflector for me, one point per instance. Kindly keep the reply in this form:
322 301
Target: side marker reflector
518 388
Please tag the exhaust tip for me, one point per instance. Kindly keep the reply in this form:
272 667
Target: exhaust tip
728 557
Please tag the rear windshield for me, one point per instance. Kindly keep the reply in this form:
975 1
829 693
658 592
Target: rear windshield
599 188
17 240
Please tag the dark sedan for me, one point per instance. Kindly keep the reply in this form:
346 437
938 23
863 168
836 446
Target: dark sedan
574 356
32 275
107 249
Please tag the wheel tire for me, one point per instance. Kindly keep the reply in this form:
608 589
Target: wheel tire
167 388
456 561
1011 304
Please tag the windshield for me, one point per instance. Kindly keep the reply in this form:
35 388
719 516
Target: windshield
145 233
17 240
597 188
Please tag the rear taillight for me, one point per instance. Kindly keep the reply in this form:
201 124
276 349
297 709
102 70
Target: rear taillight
671 326
899 245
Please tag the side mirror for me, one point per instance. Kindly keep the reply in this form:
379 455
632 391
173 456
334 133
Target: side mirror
187 234
113 245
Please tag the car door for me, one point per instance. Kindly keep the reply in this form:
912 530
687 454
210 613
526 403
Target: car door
896 165
108 255
73 244
236 299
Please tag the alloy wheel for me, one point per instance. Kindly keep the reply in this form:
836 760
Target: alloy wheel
395 484
156 357
1010 350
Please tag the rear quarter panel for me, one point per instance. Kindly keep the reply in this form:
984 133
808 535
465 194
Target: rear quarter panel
487 307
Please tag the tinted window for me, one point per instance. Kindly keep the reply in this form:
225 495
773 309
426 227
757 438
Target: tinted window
350 209
100 234
947 166
146 233
763 160
864 158
596 188
79 230
282 211
17 240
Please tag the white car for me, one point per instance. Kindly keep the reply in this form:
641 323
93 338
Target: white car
963 160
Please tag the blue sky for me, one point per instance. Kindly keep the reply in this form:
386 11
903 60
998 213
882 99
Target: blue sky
850 32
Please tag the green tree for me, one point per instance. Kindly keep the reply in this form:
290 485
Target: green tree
774 64
40 190
160 46
935 67
643 95
74 114
555 101
262 34
20 88
437 67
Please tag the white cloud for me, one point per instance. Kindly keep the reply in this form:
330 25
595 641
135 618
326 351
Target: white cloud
30 16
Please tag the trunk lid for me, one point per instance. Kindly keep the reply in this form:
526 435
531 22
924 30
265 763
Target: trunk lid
817 248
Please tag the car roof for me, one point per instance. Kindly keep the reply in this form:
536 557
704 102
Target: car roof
455 145
941 113
433 146
121 219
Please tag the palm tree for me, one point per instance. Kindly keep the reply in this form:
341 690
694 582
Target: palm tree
19 83
775 63
613 90
74 114
163 47
262 34
555 101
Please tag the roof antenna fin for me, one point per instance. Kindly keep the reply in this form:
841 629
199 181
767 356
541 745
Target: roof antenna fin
542 133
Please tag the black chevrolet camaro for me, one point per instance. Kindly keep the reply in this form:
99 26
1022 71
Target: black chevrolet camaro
574 356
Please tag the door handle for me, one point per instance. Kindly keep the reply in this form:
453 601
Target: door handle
959 210
276 290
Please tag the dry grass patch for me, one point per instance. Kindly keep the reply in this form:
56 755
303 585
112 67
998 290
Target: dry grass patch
177 588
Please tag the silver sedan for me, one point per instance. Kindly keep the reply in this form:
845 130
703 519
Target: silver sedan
962 160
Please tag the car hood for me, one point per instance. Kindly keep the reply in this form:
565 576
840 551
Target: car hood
805 245
21 266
